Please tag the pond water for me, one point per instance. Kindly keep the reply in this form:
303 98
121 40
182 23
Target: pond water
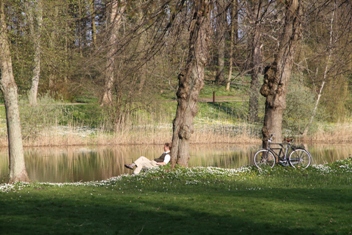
75 164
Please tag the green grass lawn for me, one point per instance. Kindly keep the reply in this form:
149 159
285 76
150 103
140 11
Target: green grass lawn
317 200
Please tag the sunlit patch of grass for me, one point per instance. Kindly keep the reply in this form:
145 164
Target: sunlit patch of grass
199 200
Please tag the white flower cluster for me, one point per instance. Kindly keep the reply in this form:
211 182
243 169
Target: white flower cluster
195 173
222 171
213 171
6 187
79 131
19 186
323 168
12 187
343 165
193 182
346 168
192 176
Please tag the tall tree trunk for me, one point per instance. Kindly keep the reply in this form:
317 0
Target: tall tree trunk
81 29
220 35
277 76
191 81
52 44
8 85
35 16
92 19
117 9
233 41
256 60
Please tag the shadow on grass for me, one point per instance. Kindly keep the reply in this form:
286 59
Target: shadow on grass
216 211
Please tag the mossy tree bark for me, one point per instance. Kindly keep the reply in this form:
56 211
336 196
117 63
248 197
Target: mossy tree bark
8 87
277 75
191 81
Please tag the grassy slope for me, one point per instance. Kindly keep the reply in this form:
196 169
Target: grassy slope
188 201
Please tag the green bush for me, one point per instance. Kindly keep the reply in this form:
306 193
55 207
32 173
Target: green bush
49 112
300 103
36 118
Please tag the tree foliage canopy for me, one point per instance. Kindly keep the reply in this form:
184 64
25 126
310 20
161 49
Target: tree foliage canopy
151 47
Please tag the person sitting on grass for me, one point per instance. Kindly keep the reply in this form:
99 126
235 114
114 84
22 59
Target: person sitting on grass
144 163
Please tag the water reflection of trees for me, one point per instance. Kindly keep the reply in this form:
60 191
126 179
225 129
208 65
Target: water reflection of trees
97 163
72 164
227 156
330 153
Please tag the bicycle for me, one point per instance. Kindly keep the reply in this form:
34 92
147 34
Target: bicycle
286 154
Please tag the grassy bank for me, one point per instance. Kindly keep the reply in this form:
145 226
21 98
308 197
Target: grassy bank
55 123
187 201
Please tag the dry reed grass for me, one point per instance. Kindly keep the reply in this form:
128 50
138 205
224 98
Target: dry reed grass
204 134
70 136
339 133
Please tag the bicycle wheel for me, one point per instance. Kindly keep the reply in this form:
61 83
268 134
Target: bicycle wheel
264 159
300 158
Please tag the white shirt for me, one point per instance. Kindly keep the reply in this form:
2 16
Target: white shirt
167 158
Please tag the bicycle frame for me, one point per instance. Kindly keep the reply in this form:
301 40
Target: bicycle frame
285 154
283 150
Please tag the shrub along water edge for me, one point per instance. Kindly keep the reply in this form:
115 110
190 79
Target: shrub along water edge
187 201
